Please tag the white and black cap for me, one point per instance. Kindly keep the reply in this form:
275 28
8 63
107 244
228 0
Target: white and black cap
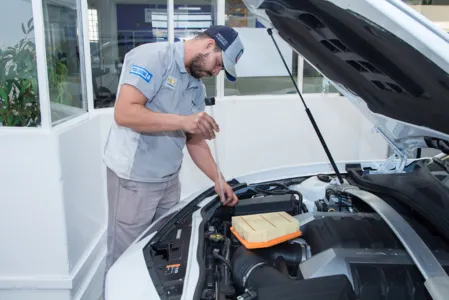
229 41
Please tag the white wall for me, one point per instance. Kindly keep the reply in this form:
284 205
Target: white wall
262 132
259 133
81 171
53 211
279 133
32 219
84 196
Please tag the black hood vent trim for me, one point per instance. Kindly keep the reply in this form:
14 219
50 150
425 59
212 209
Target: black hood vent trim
391 76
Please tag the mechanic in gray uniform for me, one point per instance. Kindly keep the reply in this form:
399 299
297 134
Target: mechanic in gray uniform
159 110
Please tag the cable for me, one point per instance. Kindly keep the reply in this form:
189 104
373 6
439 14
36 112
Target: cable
218 256
309 113
284 190
275 184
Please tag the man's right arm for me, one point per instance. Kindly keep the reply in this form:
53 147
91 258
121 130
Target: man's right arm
142 79
131 112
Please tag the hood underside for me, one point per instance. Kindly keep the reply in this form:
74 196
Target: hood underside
392 63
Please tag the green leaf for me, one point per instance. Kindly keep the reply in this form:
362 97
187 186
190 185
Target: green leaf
23 29
10 119
25 85
8 86
34 85
3 94
9 52
30 22
20 56
16 120
30 29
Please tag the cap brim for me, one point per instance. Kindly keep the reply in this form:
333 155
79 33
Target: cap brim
229 67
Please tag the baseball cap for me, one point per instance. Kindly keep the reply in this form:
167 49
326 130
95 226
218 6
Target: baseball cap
229 41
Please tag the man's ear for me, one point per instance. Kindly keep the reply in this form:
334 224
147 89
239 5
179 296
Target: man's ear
210 44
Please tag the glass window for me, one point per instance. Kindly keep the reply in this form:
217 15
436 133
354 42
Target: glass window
19 94
63 42
259 71
191 19
115 29
314 82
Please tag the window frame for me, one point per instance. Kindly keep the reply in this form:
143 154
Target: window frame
87 92
83 17
221 9
85 61
41 61
220 79
42 73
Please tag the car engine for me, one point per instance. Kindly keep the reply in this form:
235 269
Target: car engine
346 250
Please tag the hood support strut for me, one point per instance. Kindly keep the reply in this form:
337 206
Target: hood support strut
309 113
400 157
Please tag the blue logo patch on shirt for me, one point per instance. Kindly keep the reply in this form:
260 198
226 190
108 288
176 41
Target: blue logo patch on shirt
141 72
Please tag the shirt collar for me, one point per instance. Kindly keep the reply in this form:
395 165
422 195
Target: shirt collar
179 57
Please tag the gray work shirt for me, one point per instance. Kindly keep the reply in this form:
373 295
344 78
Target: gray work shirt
158 71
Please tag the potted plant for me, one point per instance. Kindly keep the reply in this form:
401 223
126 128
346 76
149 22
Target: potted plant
19 96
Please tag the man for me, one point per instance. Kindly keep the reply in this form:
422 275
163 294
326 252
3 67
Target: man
159 110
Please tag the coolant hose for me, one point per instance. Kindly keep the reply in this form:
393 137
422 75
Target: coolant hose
251 270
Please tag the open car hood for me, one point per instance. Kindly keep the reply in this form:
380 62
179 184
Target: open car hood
386 58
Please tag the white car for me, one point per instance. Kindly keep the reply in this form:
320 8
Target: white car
371 230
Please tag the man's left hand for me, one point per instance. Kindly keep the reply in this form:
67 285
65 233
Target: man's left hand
230 197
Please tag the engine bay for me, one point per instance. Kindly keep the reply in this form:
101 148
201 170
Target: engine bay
345 251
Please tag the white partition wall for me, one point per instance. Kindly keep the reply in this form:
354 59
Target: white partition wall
53 212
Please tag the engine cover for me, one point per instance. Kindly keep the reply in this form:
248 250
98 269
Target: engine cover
362 247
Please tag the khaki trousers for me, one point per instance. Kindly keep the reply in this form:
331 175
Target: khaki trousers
133 206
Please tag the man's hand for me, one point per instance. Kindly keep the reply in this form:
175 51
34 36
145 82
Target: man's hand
200 123
230 197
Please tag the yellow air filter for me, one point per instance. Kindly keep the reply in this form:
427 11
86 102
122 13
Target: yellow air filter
265 230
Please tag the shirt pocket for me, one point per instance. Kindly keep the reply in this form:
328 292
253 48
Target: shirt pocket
167 101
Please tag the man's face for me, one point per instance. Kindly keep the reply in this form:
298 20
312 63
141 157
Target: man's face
207 63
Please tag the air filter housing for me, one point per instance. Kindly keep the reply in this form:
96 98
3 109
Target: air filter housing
265 230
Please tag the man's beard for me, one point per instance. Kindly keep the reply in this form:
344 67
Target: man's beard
196 67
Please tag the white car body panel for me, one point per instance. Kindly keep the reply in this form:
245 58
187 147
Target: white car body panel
128 278
193 268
